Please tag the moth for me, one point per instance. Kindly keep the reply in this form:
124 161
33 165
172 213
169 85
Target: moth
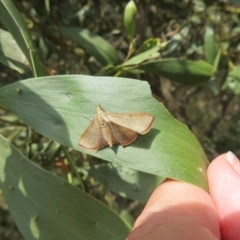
109 128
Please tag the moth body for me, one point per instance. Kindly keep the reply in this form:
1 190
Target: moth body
102 114
104 127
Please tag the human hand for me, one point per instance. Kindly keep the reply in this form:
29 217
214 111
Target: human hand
178 210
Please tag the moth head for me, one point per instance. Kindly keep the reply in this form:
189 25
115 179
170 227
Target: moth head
99 108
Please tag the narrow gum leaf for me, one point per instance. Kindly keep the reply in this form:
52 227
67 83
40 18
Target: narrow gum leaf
62 111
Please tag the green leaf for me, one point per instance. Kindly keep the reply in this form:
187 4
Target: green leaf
47 207
217 61
10 53
127 217
12 19
60 108
211 48
151 43
182 71
150 53
95 45
232 82
126 182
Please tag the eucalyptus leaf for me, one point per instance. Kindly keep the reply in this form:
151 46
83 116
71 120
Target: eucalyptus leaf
13 20
94 44
47 207
182 71
126 182
61 107
151 43
232 82
211 48
10 53
143 56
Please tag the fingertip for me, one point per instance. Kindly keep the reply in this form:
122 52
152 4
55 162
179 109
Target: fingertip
234 161
177 203
224 185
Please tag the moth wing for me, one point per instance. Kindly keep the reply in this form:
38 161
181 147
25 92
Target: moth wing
122 135
139 122
92 138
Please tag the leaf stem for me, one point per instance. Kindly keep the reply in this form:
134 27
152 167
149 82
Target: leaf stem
73 166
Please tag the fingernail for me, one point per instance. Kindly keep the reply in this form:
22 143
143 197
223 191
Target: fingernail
234 161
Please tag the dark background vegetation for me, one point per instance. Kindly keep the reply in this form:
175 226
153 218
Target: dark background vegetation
210 111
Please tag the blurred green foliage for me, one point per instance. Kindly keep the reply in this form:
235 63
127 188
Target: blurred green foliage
188 51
